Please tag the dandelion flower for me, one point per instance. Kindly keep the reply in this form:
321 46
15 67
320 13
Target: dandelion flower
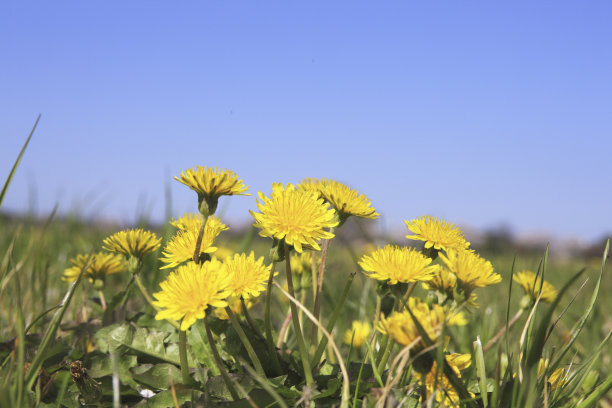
344 199
531 285
236 305
436 233
472 270
443 281
101 264
436 381
210 183
397 264
189 221
295 215
132 242
358 334
401 328
557 379
247 276
189 290
182 245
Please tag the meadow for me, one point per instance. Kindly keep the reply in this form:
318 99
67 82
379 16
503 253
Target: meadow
329 312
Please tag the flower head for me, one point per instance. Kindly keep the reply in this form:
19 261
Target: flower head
189 221
182 245
436 381
189 290
436 233
211 183
100 265
132 242
344 199
472 270
295 215
442 281
557 379
236 305
247 276
531 285
358 334
397 264
401 328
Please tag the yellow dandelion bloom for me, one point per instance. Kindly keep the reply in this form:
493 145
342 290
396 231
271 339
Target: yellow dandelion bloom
527 280
295 215
397 264
557 379
247 277
401 328
443 281
182 245
236 305
101 264
358 334
210 183
436 381
344 199
132 242
436 233
189 290
189 221
470 268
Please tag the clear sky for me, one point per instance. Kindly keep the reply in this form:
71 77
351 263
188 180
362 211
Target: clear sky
485 113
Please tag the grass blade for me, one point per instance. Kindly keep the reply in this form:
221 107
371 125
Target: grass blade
14 169
53 327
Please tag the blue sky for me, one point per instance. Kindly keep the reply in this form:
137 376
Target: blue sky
485 113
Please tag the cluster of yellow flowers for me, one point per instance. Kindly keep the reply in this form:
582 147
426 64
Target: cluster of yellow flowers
298 217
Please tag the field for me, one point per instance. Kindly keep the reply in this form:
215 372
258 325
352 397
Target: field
81 332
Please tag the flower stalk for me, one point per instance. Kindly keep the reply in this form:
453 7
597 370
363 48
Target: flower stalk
183 357
296 321
245 341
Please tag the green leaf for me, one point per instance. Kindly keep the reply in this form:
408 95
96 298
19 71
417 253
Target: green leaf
100 365
158 376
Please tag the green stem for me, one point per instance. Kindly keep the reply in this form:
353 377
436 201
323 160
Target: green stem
383 347
332 322
248 318
198 245
296 321
319 283
219 363
245 342
183 357
385 357
268 325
